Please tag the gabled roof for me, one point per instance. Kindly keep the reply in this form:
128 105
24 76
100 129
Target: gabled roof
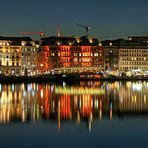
15 40
73 41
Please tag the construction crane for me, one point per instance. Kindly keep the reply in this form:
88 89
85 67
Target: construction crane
42 34
87 28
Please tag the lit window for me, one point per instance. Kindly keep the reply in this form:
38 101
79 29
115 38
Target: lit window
75 59
95 54
52 54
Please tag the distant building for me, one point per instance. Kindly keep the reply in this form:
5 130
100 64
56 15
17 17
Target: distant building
65 52
111 54
10 55
133 55
29 57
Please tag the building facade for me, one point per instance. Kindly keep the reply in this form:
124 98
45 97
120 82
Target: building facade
29 58
111 54
69 52
11 55
133 55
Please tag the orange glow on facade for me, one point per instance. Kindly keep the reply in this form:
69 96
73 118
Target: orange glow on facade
64 54
86 56
67 52
43 60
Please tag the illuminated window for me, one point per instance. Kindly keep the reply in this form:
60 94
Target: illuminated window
75 59
52 54
95 54
75 54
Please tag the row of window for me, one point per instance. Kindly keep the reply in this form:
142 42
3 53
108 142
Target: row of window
29 54
134 50
78 54
135 54
28 49
30 58
65 60
83 60
131 68
133 63
29 64
12 71
133 59
10 64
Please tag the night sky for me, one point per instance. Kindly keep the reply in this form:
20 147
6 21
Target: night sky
108 18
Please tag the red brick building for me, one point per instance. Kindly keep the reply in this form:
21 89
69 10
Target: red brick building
66 52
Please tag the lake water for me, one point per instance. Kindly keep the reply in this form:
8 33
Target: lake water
86 114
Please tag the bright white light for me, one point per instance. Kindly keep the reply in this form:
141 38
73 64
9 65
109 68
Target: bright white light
24 93
52 88
12 87
42 93
33 93
29 88
100 44
64 84
137 87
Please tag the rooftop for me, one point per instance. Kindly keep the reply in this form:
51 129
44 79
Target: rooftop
73 41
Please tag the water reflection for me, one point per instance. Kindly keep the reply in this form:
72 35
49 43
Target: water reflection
87 101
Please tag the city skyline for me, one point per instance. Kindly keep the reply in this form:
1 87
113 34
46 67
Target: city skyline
113 19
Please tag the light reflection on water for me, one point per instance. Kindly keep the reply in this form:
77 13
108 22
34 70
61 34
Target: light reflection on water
88 102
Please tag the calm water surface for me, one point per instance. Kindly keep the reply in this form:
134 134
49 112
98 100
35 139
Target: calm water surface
88 114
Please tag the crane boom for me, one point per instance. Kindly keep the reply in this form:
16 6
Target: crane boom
87 28
40 33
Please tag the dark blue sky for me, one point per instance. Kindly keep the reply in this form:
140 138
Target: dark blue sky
108 18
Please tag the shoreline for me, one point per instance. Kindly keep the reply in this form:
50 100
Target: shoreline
72 78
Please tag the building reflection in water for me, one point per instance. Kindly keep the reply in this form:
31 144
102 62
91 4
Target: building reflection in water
88 101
